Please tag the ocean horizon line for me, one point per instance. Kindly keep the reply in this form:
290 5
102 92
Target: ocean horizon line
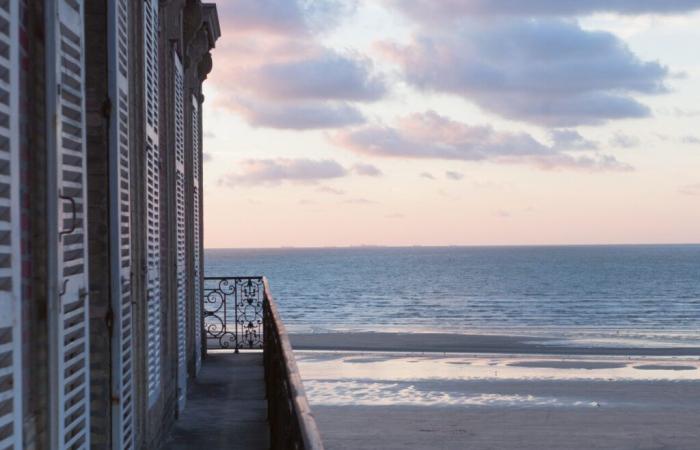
457 246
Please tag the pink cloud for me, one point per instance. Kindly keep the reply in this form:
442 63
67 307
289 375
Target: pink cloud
432 11
305 115
367 170
330 190
273 69
549 72
275 171
691 189
282 17
328 75
431 136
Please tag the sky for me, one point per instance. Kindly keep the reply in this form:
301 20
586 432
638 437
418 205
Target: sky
453 122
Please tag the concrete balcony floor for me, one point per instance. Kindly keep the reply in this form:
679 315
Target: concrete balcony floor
226 406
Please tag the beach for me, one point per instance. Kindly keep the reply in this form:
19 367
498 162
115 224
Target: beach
566 347
436 390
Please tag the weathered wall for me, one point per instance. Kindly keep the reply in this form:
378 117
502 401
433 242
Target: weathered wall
34 233
138 221
165 412
175 17
198 39
98 109
183 29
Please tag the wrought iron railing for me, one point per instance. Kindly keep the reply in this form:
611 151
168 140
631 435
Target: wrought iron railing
233 312
240 312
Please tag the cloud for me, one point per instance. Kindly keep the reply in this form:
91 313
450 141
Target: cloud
691 189
310 92
274 171
624 140
455 176
359 201
282 16
431 136
327 76
275 71
547 72
690 140
427 176
367 170
449 10
330 190
600 163
565 139
272 16
678 112
297 115
502 214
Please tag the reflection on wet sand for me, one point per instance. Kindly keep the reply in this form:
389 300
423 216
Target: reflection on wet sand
369 400
388 366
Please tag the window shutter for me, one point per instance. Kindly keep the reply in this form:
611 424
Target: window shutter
120 227
69 296
152 196
197 232
179 101
10 269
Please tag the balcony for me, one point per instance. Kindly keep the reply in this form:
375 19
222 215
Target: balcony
249 392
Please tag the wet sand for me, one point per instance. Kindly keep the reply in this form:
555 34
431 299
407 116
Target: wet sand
507 428
458 343
590 365
507 414
440 391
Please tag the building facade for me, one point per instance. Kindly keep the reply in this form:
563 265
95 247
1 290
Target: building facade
101 212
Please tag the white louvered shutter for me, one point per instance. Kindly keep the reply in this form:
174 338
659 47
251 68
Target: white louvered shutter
179 101
197 232
120 228
152 154
10 271
70 315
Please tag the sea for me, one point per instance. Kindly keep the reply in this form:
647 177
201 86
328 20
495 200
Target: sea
626 292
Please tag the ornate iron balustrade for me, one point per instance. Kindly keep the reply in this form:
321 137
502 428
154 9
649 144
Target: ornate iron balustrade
233 312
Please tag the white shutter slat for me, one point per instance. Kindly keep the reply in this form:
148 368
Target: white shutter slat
196 257
78 438
10 255
179 101
120 227
7 420
152 154
69 309
75 376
